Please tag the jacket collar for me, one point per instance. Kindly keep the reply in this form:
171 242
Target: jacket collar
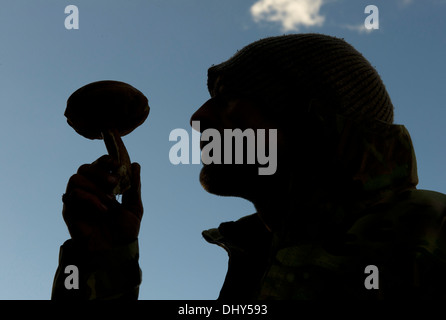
371 163
378 155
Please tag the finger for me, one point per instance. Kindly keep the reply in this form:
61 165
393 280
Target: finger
131 199
103 163
79 182
83 205
106 162
101 173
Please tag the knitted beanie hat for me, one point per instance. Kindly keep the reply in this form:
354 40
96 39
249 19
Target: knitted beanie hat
285 70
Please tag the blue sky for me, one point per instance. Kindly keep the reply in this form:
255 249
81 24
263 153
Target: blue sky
164 48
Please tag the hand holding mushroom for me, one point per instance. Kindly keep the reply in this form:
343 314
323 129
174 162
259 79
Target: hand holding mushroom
105 110
108 110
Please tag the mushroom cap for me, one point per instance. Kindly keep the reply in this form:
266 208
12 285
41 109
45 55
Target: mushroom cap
105 105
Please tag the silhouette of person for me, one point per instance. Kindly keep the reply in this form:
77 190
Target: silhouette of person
341 217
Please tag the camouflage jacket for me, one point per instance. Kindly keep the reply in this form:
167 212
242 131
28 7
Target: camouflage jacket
382 239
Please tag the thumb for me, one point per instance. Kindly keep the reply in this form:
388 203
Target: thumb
131 199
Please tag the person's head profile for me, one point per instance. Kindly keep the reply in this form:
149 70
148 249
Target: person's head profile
288 82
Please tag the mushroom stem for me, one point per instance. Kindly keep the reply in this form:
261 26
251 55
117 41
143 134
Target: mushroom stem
116 148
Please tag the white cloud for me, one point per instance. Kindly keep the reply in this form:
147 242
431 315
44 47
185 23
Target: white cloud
360 28
291 14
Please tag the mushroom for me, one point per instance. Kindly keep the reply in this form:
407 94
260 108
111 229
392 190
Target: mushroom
108 110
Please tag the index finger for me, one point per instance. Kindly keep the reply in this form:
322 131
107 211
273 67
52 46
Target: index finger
131 199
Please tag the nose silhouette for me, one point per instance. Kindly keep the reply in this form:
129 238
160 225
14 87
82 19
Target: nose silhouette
207 115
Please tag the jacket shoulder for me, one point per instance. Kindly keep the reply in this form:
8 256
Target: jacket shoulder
417 209
413 219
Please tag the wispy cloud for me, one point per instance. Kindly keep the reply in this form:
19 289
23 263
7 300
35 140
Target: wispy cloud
360 28
291 14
